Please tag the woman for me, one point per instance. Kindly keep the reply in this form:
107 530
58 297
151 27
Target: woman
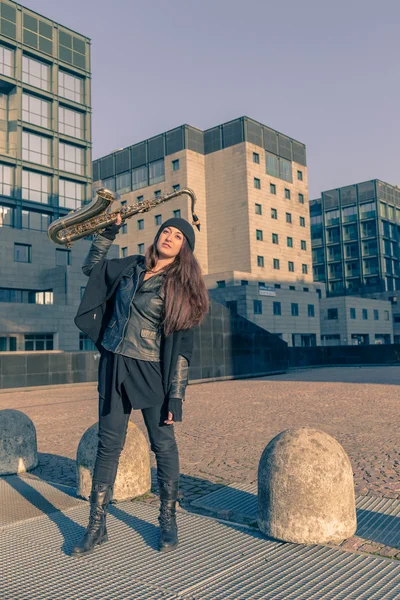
140 313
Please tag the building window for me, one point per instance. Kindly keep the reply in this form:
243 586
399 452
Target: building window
306 290
277 286
275 238
257 307
276 263
365 314
303 245
63 257
6 216
221 284
176 187
123 183
35 187
244 282
301 198
177 213
175 165
156 172
70 86
83 288
386 313
35 73
256 158
36 111
157 194
292 288
70 122
124 228
287 193
259 235
277 309
352 313
22 253
302 222
140 248
319 293
139 178
260 261
85 343
376 314
157 220
257 183
38 341
35 220
291 266
6 180
109 184
124 252
304 269
71 158
289 242
274 213
272 164
288 218
300 175
272 188
258 209
311 310
333 314
6 61
139 198
295 309
72 194
232 306
140 224
36 148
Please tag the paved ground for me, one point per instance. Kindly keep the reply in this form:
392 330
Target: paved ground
227 425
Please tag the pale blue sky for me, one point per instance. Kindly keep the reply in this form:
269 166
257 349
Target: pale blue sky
321 71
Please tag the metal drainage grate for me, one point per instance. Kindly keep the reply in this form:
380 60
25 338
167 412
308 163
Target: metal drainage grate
377 518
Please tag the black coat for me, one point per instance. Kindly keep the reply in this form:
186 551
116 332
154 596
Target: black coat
97 305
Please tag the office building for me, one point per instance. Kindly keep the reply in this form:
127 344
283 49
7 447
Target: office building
45 171
355 243
252 200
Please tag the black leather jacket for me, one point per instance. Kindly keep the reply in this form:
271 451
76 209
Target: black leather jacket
134 328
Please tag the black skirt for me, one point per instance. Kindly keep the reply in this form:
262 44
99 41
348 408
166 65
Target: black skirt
140 381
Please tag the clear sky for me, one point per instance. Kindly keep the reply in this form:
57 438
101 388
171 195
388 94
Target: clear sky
325 72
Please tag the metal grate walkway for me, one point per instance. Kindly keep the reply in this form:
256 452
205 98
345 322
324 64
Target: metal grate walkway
215 560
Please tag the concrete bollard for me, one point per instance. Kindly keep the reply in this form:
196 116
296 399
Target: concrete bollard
306 489
133 476
18 445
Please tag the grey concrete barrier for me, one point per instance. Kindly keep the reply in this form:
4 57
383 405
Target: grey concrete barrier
18 445
305 489
133 475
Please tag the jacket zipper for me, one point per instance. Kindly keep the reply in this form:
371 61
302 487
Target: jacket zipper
130 308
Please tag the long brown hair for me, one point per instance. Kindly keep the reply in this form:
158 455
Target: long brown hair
186 297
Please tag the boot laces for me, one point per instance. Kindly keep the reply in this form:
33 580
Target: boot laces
167 517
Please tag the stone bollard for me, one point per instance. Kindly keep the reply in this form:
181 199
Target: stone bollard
133 475
18 445
305 489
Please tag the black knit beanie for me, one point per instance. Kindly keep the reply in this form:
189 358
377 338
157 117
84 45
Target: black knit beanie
183 226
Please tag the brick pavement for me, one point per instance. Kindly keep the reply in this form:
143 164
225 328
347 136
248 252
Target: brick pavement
227 425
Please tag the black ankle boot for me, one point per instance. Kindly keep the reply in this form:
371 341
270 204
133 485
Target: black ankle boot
167 519
96 532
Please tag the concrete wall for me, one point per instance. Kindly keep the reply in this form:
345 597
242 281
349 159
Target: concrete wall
344 355
225 347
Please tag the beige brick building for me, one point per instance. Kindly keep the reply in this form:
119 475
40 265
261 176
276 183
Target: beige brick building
252 200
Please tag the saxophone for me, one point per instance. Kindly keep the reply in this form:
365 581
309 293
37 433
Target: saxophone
95 216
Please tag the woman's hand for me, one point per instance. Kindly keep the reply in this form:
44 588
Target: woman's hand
170 420
119 219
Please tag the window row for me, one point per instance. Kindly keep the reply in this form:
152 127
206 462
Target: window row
38 74
275 240
23 253
140 177
272 189
37 149
256 160
26 296
333 314
277 309
277 265
274 215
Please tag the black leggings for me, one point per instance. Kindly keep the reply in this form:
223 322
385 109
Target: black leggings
112 433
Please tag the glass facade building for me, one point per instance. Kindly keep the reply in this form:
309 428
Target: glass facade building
45 119
355 239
